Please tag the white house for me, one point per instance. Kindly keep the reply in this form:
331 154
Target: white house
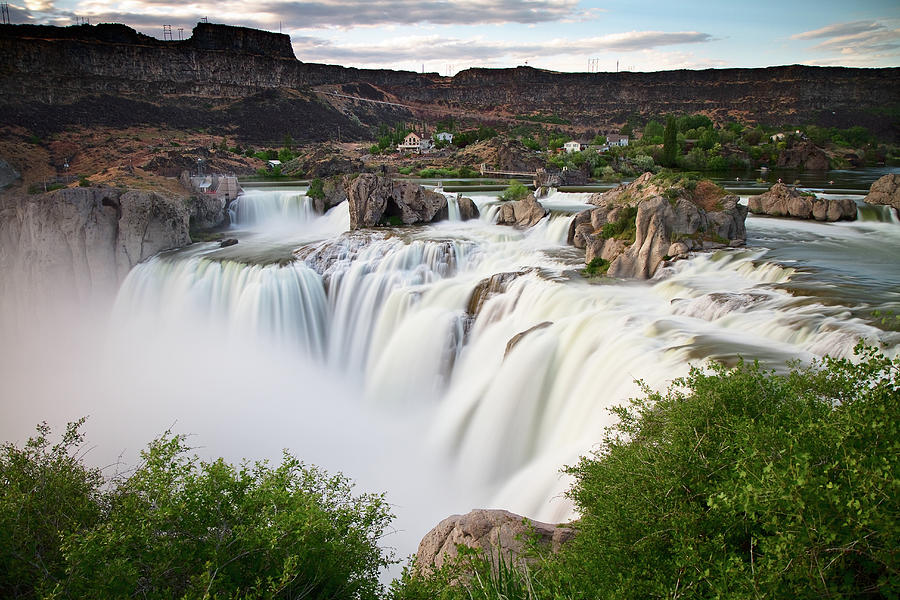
444 136
572 146
411 142
614 139
274 163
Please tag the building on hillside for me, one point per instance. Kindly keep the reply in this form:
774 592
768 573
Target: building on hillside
426 144
614 139
572 146
444 136
274 163
412 141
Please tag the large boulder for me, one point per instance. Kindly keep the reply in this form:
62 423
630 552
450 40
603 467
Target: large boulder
85 240
785 201
803 155
496 533
374 200
467 208
885 191
521 213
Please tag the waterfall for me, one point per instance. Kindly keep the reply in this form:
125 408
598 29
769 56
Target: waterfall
453 206
877 213
287 303
258 207
509 393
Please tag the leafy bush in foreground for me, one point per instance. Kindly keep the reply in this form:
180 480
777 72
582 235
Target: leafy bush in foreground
736 483
181 527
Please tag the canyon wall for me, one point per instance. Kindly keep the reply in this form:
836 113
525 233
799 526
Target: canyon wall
53 76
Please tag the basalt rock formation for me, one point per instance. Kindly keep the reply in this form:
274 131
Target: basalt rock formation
111 75
495 532
784 201
636 227
375 200
885 191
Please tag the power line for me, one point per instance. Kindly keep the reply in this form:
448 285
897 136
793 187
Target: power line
4 13
167 33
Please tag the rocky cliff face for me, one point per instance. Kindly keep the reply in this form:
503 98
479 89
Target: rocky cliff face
51 76
85 240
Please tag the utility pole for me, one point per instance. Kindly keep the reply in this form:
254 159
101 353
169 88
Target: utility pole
167 33
181 33
4 12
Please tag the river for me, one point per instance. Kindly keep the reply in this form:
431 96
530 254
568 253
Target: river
356 352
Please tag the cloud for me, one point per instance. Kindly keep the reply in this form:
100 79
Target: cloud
328 13
838 29
434 47
644 40
858 43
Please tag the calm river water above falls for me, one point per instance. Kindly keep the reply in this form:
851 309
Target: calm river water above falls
359 355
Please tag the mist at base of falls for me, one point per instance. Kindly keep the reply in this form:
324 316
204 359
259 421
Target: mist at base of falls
357 353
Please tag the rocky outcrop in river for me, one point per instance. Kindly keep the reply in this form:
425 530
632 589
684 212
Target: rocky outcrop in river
785 201
885 191
376 200
523 213
636 227
87 239
494 532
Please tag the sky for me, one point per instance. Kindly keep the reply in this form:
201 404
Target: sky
446 36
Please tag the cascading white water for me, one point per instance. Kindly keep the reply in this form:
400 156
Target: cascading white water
266 207
386 314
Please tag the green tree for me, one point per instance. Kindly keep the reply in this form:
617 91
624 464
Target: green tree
515 191
653 129
670 142
46 494
179 527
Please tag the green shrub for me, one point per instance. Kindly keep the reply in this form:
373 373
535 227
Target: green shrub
179 527
515 191
743 483
597 266
624 227
316 189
